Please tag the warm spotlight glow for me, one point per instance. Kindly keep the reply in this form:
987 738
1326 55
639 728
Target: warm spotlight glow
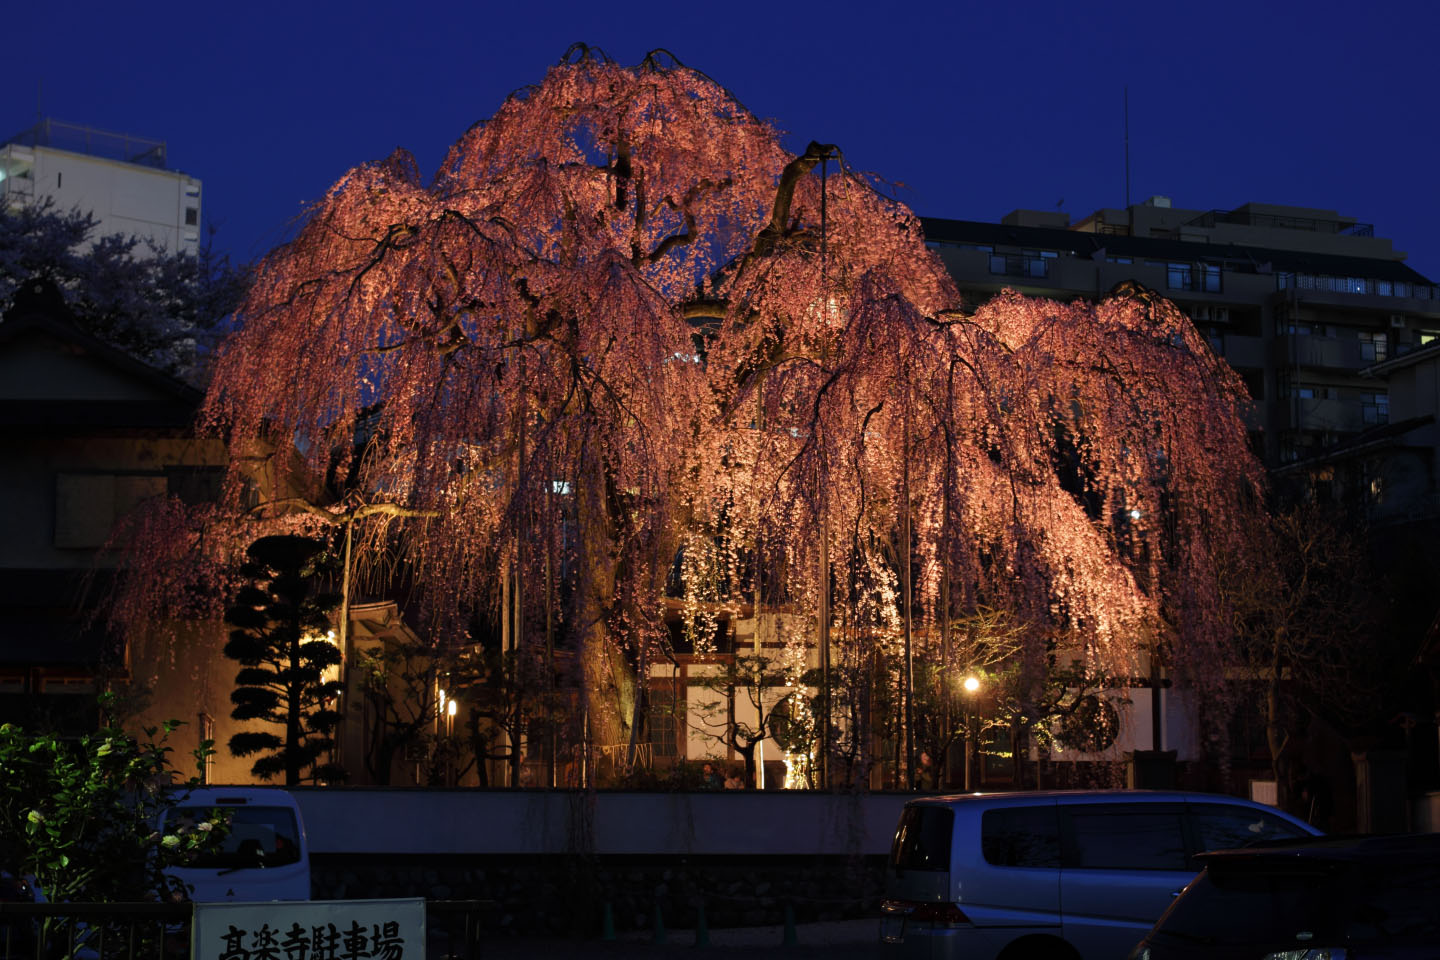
450 709
332 672
972 684
1134 514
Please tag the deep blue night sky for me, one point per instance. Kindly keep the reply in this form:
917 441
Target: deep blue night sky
975 108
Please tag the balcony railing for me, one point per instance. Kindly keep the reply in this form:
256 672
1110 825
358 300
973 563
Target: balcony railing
93 142
1312 224
1363 286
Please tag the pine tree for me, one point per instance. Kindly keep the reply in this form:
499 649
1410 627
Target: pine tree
280 620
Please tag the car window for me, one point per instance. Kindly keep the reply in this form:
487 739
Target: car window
1309 903
1245 907
1394 903
1021 837
922 840
255 836
1124 836
1220 826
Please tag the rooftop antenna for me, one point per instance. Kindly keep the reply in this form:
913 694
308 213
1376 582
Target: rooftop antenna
1127 146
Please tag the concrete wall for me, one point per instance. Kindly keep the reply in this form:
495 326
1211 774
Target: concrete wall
178 672
482 822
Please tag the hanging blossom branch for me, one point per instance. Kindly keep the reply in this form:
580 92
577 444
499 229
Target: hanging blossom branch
621 318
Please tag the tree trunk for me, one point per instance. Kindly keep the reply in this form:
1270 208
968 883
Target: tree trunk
292 712
1275 736
747 753
607 680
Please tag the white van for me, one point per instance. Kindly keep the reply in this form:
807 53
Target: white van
264 855
1059 875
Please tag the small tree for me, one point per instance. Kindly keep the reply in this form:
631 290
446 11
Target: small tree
760 681
162 307
281 621
397 680
80 815
1306 629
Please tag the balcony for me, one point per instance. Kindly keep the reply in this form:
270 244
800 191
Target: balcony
1332 416
1322 353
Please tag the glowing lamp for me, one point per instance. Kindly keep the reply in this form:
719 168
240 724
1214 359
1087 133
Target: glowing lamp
971 684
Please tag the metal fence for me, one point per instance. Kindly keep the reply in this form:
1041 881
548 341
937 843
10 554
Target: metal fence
94 931
161 931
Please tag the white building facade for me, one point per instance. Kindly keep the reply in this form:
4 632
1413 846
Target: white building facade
121 181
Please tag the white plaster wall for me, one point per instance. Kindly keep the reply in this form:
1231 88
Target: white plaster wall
395 820
1179 730
705 723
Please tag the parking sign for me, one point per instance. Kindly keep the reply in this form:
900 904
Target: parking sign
310 930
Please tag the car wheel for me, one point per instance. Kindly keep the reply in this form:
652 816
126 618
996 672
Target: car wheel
1039 948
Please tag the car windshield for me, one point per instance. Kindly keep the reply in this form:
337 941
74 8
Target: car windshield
255 836
1309 903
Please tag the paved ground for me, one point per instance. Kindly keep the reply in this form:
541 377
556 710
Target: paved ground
843 940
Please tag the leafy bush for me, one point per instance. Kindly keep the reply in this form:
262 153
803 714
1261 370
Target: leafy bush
80 814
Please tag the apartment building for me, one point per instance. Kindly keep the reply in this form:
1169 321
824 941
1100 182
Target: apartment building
121 180
1301 302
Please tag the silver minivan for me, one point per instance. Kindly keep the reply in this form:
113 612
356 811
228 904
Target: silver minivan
264 855
1068 875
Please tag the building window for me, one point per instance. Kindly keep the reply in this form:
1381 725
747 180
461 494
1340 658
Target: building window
664 721
68 685
1372 346
207 732
1211 278
1193 276
87 505
1031 264
192 216
1375 408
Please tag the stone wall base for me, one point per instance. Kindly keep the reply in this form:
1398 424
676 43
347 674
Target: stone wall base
558 894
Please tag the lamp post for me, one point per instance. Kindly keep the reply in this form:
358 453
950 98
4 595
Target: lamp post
971 686
449 734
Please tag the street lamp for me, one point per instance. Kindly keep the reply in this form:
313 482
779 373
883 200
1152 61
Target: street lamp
971 686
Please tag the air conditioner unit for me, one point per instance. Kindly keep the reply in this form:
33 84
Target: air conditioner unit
1397 321
1222 314
1200 314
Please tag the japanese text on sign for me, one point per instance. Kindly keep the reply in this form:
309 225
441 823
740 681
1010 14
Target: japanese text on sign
310 930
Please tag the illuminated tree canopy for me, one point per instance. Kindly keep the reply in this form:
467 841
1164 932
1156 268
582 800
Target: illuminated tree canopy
623 325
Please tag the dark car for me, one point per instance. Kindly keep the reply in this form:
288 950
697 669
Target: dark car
1327 899
17 933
